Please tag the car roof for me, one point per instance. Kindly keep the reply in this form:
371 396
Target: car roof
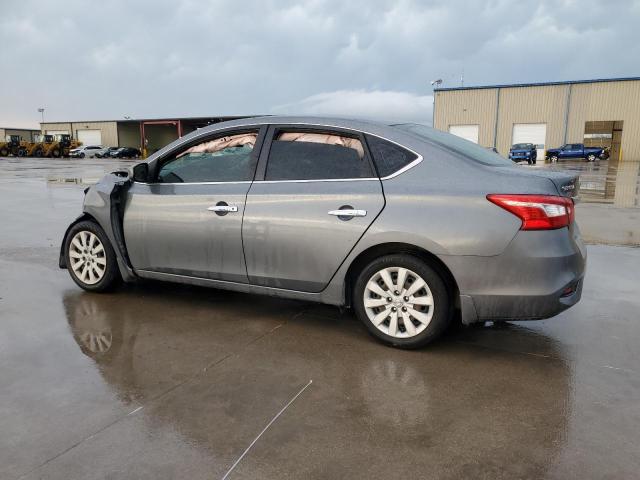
386 129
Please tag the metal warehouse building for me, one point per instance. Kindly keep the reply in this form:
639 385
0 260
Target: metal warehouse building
148 135
602 112
25 133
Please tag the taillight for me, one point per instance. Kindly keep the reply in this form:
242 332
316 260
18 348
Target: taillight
537 212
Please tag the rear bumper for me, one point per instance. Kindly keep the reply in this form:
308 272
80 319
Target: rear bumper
539 275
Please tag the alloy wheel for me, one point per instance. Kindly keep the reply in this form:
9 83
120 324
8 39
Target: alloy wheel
87 257
398 302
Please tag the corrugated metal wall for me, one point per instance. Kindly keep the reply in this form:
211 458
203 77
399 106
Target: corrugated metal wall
109 130
531 105
467 107
598 101
26 134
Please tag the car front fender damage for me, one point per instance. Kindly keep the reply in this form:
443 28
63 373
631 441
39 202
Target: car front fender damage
104 203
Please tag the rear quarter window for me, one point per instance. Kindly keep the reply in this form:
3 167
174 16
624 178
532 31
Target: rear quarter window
387 156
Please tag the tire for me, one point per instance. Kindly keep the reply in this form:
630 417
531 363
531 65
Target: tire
429 319
553 158
82 155
37 153
4 152
92 269
22 152
591 158
55 153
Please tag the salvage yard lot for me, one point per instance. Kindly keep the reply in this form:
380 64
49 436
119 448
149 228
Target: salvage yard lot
164 381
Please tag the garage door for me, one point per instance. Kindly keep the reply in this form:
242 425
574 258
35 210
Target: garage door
535 133
57 132
468 132
90 137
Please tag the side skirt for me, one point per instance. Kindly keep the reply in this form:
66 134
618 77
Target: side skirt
237 287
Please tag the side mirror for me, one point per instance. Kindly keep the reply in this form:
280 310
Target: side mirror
141 172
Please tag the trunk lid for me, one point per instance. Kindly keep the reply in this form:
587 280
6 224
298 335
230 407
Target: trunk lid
567 184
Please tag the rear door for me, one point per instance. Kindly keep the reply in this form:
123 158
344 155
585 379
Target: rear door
188 220
314 197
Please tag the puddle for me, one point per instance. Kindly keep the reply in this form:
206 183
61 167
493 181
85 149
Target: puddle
609 182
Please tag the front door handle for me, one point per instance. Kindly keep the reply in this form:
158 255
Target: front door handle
222 208
348 213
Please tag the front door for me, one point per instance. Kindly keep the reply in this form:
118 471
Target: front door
188 220
315 196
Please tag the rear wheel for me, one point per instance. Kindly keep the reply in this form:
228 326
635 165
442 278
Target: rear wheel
90 258
402 301
37 153
4 152
591 158
55 153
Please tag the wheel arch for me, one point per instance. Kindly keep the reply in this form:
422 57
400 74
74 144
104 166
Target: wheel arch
62 263
382 249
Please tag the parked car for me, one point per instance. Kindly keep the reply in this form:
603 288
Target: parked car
520 152
89 151
576 150
403 223
125 152
105 152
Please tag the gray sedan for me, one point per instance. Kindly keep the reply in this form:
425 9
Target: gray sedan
410 227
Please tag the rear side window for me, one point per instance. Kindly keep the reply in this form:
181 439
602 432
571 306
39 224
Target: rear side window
388 157
316 156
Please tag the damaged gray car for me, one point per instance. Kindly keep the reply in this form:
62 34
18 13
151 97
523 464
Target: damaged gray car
410 227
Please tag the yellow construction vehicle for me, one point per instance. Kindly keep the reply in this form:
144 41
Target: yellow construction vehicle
11 146
57 145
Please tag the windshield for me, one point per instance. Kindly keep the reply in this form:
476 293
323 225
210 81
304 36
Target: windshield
522 146
466 148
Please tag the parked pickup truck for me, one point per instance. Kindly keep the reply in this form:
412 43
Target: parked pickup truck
523 151
576 150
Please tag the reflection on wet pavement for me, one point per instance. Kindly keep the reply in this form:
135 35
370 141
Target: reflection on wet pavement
169 381
604 181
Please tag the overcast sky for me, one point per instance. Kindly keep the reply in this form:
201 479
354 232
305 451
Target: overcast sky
84 60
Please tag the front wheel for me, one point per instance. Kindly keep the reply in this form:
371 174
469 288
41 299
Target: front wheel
90 258
402 301
553 158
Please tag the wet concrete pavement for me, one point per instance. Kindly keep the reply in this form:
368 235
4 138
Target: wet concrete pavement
168 381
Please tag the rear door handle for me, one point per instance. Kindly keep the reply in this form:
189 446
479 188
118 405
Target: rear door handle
348 213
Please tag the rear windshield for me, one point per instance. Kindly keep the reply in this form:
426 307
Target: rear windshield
466 148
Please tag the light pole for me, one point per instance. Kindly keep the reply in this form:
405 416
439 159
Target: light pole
41 111
435 84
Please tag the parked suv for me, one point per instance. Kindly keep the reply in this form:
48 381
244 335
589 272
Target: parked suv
86 151
105 152
381 218
523 151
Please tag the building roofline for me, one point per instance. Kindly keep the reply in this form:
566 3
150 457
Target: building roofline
539 84
161 119
21 128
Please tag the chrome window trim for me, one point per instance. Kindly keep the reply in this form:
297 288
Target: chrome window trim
314 180
388 177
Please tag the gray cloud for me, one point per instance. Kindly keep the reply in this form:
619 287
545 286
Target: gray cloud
87 60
